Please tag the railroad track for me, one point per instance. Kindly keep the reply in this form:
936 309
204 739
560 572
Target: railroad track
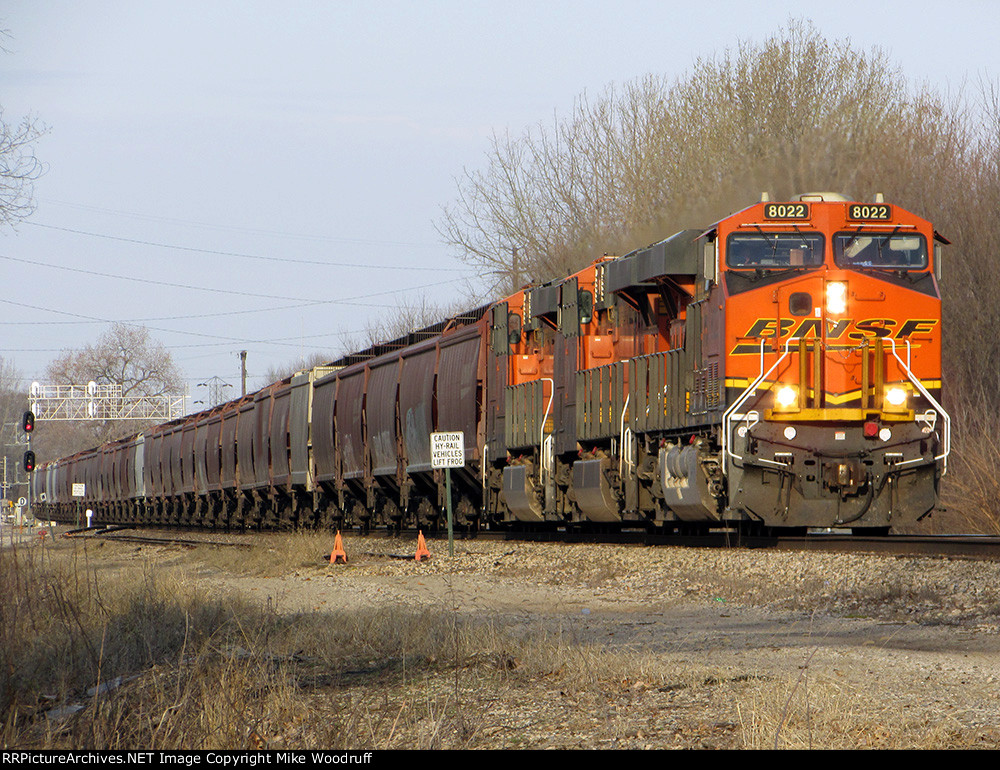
957 546
131 535
942 546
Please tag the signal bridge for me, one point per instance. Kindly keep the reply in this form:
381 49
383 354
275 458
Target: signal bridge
101 402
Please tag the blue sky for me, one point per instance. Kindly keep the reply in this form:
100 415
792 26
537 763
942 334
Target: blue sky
210 163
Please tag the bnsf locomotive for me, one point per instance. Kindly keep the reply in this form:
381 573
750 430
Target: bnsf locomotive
779 369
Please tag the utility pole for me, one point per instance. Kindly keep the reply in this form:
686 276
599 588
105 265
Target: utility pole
243 372
516 274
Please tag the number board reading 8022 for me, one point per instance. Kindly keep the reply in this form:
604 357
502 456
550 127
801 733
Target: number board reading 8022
881 212
786 211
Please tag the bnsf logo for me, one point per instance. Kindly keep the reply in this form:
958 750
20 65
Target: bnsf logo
843 330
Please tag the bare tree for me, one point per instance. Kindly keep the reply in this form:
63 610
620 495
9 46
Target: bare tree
19 167
302 363
401 321
794 113
125 355
13 397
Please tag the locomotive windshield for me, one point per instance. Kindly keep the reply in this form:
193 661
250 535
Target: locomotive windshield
886 251
774 250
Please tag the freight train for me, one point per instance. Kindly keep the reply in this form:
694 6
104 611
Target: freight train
779 369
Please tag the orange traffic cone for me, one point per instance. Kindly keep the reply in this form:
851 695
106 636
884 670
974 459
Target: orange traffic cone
338 553
422 552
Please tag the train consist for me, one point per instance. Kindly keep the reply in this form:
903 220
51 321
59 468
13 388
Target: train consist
779 369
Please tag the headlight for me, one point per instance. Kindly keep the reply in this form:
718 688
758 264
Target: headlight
896 396
786 397
836 297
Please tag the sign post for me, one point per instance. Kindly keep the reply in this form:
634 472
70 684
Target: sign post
79 490
448 451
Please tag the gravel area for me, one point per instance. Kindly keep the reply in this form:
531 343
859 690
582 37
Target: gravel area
556 578
906 649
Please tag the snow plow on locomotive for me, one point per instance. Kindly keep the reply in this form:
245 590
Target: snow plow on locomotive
781 368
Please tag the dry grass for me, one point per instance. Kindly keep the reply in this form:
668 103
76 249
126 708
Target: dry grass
127 656
179 668
819 712
971 491
271 556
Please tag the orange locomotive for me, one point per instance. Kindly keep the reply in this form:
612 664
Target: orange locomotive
782 368
833 363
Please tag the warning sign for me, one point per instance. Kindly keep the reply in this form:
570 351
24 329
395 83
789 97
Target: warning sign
448 450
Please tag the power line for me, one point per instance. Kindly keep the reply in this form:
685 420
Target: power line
87 319
235 228
241 255
150 281
170 284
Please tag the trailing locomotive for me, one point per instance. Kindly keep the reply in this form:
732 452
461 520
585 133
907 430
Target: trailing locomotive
781 369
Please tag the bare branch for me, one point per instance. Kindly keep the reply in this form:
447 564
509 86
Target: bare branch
19 168
125 355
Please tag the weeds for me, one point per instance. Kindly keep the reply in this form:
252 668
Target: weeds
134 657
102 650
829 714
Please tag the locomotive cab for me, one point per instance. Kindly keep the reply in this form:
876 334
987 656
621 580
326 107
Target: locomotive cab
833 363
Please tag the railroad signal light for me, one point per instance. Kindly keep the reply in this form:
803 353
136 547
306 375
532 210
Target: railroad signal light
29 461
28 421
